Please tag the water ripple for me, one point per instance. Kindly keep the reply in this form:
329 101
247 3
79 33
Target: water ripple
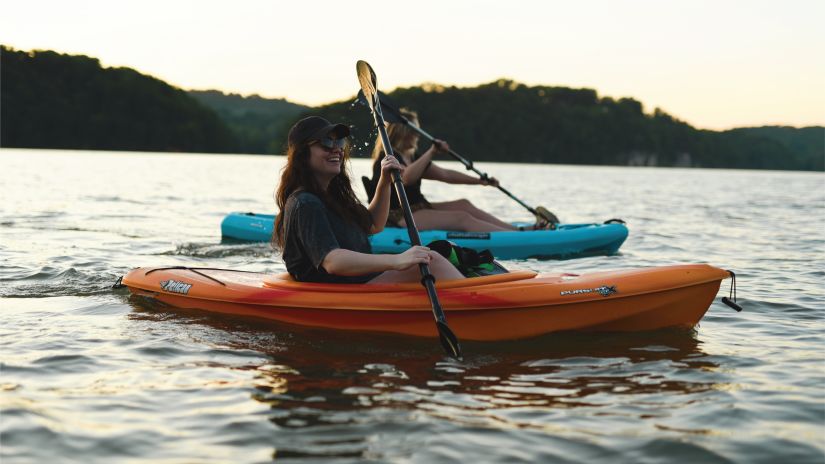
89 374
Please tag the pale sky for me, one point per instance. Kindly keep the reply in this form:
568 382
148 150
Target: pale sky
715 64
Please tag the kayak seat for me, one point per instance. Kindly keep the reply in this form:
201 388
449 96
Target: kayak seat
369 187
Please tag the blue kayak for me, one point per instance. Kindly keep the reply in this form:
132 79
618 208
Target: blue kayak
567 241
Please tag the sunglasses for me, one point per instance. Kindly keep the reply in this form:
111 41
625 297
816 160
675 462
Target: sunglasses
328 143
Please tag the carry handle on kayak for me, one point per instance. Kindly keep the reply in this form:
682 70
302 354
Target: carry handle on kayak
395 116
368 81
727 299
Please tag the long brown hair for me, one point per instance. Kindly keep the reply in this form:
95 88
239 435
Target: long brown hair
402 137
339 196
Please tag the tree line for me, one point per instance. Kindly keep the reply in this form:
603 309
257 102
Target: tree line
508 121
52 100
257 122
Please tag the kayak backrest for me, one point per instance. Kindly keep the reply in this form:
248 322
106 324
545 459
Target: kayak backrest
369 187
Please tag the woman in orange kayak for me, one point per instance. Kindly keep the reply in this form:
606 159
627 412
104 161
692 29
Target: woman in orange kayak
322 228
460 215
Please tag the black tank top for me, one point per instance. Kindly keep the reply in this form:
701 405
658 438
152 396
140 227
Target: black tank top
414 195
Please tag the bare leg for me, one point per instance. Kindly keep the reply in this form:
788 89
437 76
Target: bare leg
468 207
440 268
433 219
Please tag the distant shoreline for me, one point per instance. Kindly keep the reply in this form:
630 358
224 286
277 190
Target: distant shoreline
67 151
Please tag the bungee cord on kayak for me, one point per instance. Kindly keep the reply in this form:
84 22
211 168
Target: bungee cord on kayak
195 270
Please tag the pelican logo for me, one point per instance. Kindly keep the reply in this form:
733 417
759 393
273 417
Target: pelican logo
604 290
173 286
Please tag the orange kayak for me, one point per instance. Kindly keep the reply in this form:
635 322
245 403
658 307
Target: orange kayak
515 305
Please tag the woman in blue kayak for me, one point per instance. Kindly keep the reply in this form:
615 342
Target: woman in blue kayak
322 229
459 215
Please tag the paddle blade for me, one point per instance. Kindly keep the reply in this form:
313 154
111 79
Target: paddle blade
368 81
448 339
388 109
543 214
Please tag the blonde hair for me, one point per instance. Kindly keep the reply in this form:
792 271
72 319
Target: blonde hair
402 137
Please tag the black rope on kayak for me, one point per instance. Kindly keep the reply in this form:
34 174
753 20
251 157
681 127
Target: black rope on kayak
727 299
199 268
221 269
118 283
615 221
191 269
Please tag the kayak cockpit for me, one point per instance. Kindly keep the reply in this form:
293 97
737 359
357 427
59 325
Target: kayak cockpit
286 282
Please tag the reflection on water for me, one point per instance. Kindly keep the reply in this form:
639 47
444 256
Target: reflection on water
88 374
330 393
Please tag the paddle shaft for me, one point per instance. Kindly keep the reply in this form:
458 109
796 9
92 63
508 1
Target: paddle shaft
367 79
427 278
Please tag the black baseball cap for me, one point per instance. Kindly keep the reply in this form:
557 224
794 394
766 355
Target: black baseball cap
313 128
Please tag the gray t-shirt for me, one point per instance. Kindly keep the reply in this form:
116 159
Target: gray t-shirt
311 231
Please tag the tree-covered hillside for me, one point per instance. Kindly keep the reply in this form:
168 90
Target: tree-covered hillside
52 100
806 144
508 121
257 122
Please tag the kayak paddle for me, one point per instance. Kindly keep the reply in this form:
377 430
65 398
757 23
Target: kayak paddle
395 116
368 81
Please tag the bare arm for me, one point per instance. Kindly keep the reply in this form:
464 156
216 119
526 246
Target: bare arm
351 263
450 176
424 168
417 168
379 207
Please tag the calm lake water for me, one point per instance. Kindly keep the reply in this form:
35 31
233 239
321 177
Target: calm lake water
89 375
